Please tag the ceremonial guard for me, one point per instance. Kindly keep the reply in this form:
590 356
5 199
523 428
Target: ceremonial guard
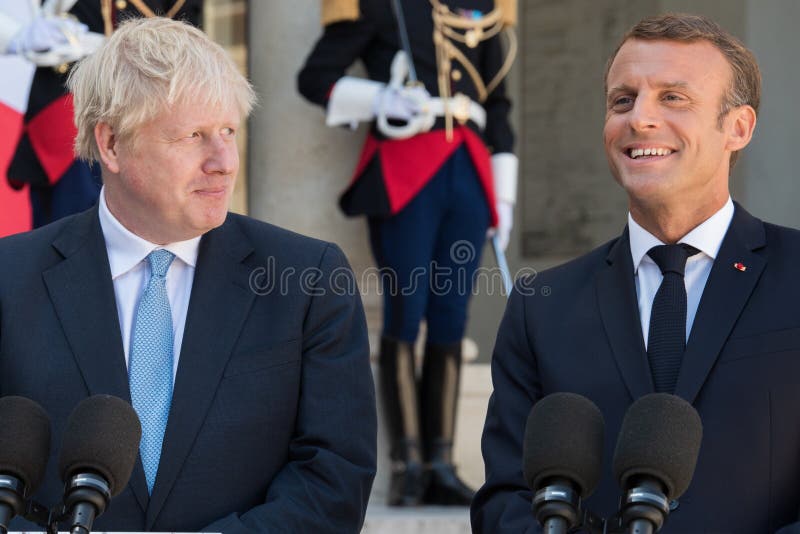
58 33
436 172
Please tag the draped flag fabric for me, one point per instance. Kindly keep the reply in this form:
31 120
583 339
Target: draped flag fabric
15 84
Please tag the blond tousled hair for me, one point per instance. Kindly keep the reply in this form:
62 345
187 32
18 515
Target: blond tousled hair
149 65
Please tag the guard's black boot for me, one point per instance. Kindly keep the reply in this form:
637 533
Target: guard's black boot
399 393
438 399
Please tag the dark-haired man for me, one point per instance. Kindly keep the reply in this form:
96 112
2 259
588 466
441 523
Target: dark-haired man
682 97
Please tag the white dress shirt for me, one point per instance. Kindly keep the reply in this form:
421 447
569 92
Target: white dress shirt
706 237
130 272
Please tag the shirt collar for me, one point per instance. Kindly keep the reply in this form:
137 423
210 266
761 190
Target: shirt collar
706 237
126 249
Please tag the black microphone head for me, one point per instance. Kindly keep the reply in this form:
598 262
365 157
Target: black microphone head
102 436
24 440
564 439
660 437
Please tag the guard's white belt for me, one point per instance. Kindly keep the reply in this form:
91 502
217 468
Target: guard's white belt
462 107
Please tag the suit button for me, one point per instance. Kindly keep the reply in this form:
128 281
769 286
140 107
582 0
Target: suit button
121 4
673 505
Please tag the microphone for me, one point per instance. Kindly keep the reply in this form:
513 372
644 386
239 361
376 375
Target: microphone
24 449
101 442
562 458
655 457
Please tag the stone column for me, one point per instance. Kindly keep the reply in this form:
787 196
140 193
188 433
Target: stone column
298 166
770 187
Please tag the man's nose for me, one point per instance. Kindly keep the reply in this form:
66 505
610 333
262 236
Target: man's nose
223 156
645 114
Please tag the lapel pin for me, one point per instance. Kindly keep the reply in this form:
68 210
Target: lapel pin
740 266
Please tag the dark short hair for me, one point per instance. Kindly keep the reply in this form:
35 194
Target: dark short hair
745 87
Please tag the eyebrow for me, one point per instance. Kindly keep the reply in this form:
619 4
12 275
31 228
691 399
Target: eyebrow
664 85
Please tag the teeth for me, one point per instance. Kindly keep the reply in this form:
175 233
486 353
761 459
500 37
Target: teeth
637 152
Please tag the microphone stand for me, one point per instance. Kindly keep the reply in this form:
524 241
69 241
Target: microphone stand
558 508
588 522
86 497
591 523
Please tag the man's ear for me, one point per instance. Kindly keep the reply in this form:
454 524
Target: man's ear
106 142
741 124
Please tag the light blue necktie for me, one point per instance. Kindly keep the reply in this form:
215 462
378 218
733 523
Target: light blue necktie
150 367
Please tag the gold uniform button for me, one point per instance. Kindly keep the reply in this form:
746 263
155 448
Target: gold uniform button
121 4
471 38
456 75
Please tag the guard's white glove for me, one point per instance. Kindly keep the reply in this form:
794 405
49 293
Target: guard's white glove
504 168
408 102
401 103
352 101
45 33
505 222
355 100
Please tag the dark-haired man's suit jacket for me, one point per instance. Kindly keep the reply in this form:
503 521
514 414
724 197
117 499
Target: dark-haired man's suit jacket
580 332
272 426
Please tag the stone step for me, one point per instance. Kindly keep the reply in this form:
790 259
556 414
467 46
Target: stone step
382 519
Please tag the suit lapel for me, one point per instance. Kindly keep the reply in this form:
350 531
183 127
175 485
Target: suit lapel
616 299
82 293
220 302
724 297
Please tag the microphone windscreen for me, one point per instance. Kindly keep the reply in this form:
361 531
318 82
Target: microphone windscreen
24 440
660 437
102 436
564 438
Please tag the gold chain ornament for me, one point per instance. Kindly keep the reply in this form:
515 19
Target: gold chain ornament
449 28
144 9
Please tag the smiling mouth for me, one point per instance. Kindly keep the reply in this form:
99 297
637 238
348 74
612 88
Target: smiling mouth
211 190
641 153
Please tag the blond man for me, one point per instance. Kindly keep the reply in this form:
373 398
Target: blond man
256 398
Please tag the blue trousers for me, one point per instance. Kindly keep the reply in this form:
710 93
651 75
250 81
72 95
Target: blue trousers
428 253
76 191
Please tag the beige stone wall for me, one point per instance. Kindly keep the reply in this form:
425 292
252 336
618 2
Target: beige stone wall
569 202
298 166
225 21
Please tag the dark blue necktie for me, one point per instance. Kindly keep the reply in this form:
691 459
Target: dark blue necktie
666 341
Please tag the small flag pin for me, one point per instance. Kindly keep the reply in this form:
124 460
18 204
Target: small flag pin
740 266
